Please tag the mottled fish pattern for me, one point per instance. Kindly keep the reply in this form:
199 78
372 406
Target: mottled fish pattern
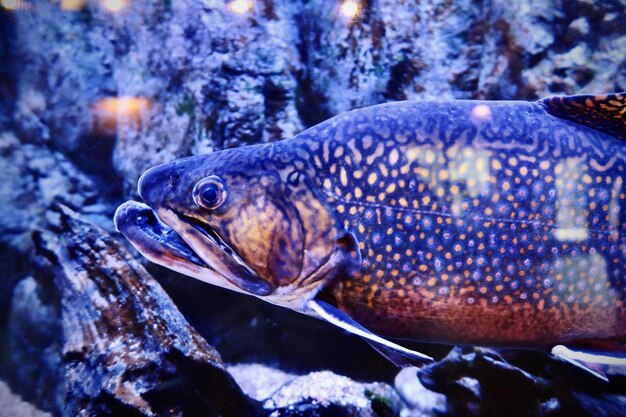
477 222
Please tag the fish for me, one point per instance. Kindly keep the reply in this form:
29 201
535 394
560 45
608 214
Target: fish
471 222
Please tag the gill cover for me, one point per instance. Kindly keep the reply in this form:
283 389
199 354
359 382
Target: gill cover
263 227
258 222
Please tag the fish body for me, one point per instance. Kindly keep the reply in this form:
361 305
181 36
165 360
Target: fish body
463 222
503 231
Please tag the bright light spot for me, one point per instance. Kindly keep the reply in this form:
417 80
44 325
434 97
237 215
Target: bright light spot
11 4
571 234
240 6
107 112
126 105
72 5
113 5
471 167
481 112
350 9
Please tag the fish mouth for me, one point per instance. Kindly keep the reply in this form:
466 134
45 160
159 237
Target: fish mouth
211 235
186 245
152 237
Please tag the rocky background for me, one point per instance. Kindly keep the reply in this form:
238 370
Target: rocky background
93 92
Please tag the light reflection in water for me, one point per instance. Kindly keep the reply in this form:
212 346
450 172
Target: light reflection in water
107 112
471 167
571 234
15 5
10 4
466 169
350 9
584 278
480 112
614 207
571 217
73 5
114 5
240 6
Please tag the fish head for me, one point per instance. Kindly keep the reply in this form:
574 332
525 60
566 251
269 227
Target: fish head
247 219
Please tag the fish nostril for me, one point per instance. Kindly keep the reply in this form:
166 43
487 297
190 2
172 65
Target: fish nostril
173 179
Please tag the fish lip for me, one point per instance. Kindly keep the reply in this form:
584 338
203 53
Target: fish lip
140 224
162 245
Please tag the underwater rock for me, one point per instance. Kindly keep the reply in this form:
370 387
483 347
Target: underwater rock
223 79
327 394
12 406
481 382
31 179
421 400
396 50
321 393
166 79
127 349
55 89
478 382
259 381
34 341
346 64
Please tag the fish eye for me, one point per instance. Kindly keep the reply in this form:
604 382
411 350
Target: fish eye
209 192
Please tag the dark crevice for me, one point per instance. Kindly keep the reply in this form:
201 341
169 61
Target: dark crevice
402 74
7 67
310 103
200 390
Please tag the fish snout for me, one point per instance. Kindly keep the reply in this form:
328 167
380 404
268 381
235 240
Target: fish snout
153 183
132 214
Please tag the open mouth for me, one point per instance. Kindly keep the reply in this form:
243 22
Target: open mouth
152 237
215 239
186 245
160 244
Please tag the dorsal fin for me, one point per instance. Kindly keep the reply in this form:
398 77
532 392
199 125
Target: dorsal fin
606 113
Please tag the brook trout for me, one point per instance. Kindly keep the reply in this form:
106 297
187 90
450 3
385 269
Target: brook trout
464 222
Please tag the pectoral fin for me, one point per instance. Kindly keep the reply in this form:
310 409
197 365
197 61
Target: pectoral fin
348 245
396 354
593 357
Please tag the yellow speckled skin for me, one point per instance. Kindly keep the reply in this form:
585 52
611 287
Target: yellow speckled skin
505 229
493 223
